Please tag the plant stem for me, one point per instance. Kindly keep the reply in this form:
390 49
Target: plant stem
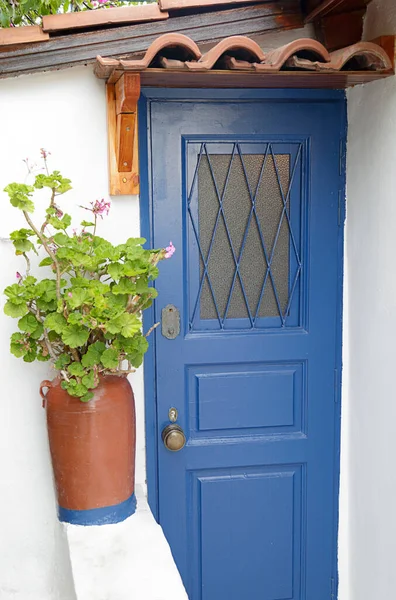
44 225
151 329
49 251
27 264
119 373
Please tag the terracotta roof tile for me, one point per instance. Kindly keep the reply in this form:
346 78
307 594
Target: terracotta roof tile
238 46
277 58
108 16
240 53
10 36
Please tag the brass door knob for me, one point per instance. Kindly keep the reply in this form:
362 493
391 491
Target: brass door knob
173 437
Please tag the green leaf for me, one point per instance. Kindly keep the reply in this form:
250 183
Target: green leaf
109 358
104 249
46 262
89 380
93 354
28 323
125 286
131 242
75 318
87 224
75 389
61 239
19 194
133 268
154 272
76 369
136 351
30 356
62 362
17 345
54 181
79 296
62 223
115 270
13 291
36 335
87 397
22 246
21 234
125 324
56 322
13 309
75 336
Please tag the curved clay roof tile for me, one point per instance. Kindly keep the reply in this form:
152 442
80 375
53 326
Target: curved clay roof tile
275 59
372 57
163 41
234 42
372 54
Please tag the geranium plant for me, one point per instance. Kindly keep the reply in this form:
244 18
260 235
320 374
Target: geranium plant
86 315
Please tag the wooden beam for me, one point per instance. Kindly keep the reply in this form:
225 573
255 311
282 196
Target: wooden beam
122 122
183 4
82 48
341 29
282 79
326 7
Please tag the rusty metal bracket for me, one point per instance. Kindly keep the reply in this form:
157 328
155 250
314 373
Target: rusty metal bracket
122 98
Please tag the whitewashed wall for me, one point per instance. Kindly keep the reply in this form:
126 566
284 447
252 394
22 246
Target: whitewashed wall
65 113
369 448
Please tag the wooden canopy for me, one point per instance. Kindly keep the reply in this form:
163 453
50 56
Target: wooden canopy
71 39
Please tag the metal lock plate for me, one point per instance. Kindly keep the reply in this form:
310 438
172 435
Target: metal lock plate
170 322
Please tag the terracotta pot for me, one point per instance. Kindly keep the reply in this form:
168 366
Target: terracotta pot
92 447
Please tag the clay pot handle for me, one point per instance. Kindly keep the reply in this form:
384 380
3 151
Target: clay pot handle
44 384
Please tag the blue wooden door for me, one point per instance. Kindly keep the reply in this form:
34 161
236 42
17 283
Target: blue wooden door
248 191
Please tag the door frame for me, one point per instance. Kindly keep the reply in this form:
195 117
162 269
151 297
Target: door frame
149 95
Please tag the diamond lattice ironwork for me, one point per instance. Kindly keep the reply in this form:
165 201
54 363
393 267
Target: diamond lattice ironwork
250 262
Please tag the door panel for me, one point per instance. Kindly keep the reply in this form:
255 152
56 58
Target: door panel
248 193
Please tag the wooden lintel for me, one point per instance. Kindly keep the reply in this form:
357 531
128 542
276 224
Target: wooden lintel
122 123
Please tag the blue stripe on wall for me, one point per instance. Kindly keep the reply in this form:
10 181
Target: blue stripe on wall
104 515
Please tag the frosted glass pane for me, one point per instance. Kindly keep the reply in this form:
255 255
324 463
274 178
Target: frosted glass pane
238 235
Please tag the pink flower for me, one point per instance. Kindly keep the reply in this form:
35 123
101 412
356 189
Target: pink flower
44 153
18 276
58 213
169 250
102 1
95 4
70 295
100 207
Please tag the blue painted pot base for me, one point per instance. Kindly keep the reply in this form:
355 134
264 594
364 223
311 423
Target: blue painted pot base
105 515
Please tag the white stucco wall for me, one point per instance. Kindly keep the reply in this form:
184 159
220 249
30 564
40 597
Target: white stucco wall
40 559
369 403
